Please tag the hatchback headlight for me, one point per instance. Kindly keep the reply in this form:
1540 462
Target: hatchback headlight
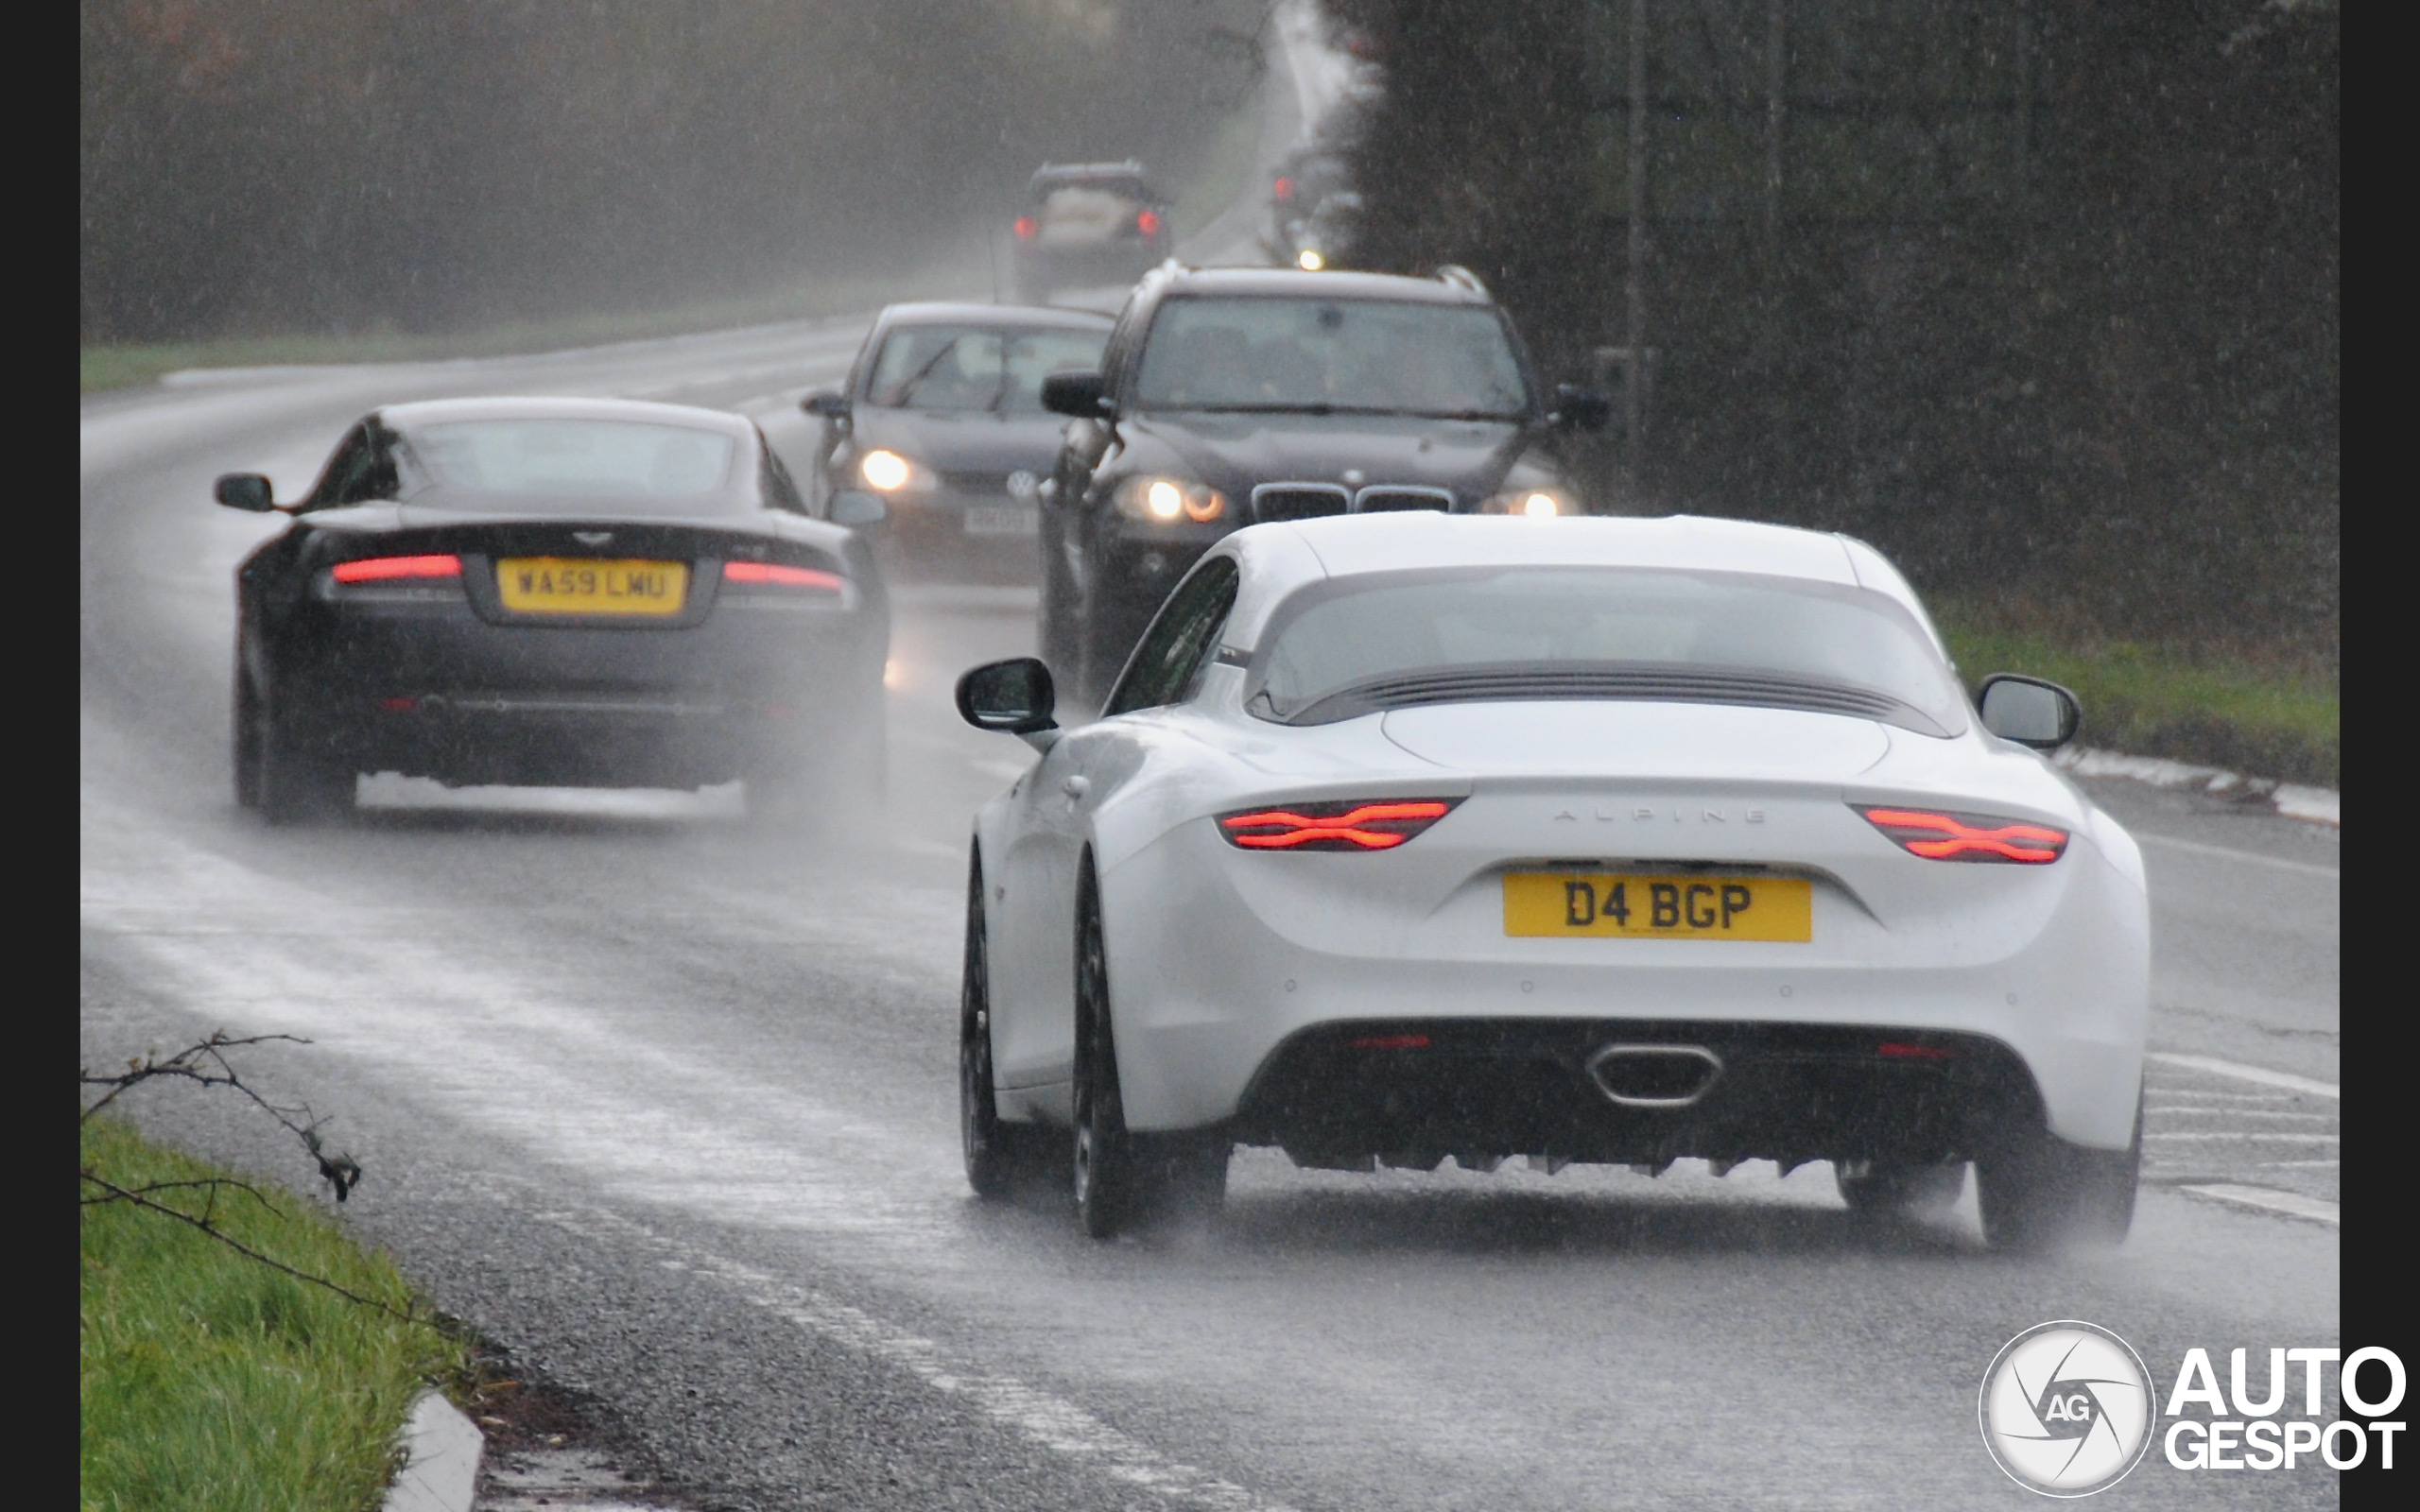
888 472
1165 500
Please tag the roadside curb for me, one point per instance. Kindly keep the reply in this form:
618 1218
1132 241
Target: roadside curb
2313 806
441 1461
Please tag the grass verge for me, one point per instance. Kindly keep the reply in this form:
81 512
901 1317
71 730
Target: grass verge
123 367
208 1380
2274 717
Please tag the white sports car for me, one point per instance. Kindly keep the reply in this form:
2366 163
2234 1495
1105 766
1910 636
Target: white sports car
1615 841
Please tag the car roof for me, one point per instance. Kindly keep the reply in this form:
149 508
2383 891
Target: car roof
965 313
1280 558
441 411
1294 283
1127 169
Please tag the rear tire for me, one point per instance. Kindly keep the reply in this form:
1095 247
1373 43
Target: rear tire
998 1154
294 778
2040 1194
1112 1182
1879 1189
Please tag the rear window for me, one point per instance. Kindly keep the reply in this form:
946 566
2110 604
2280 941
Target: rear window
976 368
587 459
1358 645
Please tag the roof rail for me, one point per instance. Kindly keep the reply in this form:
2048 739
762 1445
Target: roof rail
1461 278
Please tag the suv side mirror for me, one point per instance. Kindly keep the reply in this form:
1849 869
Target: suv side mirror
854 507
1581 408
248 492
1076 395
2028 710
825 406
1012 698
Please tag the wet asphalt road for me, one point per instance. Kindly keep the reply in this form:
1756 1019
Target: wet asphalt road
667 1105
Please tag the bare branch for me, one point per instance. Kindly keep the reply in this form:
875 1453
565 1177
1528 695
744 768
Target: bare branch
205 1064
135 1195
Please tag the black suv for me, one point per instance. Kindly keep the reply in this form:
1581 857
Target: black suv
1231 396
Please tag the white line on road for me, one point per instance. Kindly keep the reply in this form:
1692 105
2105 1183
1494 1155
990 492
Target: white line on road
2241 1073
2249 1138
1054 1423
2309 868
2292 1204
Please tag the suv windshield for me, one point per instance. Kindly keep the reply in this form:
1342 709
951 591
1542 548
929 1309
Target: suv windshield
976 368
594 459
1397 639
1322 356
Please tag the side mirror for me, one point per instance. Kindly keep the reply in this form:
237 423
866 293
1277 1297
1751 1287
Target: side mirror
854 507
1581 408
1076 395
2028 710
825 406
1011 697
248 492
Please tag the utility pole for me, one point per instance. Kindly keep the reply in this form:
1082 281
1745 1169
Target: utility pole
1773 81
1635 369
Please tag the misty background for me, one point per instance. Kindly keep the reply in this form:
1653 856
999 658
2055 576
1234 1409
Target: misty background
2041 297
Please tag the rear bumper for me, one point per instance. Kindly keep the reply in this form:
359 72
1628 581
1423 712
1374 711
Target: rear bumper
1413 1091
436 691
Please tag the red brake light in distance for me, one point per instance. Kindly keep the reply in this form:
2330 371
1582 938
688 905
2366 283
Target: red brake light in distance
1026 227
1351 824
1388 1042
387 569
775 574
1938 836
1147 222
1900 1050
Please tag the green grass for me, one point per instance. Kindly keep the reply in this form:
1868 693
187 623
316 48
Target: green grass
209 1381
122 366
2265 716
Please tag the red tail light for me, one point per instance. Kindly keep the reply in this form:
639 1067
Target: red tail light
1388 1042
1026 227
1147 222
1284 189
1900 1050
385 569
1349 825
1938 836
774 575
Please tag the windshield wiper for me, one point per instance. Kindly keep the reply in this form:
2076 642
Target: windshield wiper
1323 408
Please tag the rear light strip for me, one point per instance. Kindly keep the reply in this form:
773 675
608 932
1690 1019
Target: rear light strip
388 569
1352 824
775 574
1938 836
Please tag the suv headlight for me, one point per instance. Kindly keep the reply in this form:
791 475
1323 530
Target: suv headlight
890 472
1538 503
1165 500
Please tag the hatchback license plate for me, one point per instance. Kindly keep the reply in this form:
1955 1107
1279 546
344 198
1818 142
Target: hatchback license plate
588 585
1621 905
1002 520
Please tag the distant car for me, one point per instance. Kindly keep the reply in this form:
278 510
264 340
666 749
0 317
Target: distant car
555 592
1313 210
1595 840
1084 225
1236 396
942 416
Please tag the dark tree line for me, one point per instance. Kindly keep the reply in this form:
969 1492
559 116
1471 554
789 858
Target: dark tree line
268 165
2040 296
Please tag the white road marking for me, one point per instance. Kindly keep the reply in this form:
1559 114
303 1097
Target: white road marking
2300 1165
2261 1075
2309 868
1053 1422
2249 1138
2292 1204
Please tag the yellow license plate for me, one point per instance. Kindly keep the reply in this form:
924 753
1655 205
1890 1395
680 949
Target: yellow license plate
1625 906
587 585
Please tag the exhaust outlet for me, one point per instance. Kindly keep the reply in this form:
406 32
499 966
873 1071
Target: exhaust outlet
1655 1076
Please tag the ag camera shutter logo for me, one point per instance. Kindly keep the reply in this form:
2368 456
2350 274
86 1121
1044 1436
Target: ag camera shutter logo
2067 1408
